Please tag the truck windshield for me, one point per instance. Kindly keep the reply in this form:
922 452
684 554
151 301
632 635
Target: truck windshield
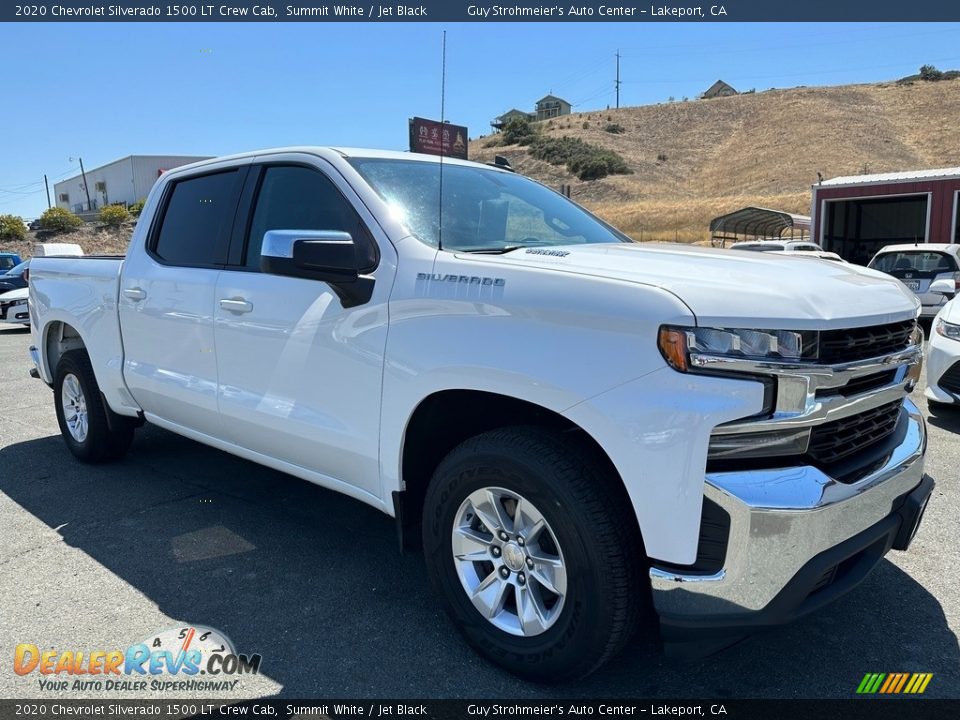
483 210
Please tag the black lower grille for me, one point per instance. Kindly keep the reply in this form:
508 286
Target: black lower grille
835 440
841 346
950 380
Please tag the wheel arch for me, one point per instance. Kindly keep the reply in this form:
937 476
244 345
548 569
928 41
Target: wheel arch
446 418
59 337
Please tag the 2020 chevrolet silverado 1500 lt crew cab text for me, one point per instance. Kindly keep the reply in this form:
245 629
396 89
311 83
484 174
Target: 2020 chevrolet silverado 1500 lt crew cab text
581 431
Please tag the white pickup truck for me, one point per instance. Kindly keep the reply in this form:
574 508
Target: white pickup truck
581 432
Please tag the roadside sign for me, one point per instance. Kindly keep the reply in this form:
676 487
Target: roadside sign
438 138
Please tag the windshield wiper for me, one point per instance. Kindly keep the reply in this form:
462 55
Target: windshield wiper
493 250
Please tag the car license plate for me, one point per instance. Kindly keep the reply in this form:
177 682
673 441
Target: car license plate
912 284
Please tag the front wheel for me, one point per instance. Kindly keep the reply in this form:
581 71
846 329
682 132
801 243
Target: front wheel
82 415
536 553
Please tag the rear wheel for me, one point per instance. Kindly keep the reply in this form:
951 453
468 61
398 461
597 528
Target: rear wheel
535 552
82 415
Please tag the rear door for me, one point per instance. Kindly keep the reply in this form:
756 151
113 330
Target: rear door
300 375
167 300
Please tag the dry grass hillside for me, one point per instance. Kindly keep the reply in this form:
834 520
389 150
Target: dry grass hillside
93 239
759 149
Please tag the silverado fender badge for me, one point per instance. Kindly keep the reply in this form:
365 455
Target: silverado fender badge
547 251
465 279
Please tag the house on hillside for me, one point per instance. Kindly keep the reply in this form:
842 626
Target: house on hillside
550 106
719 89
500 122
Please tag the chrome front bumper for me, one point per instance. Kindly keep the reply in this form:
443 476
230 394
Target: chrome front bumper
781 520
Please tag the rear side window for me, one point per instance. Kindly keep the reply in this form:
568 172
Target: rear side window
919 263
6 262
299 198
197 219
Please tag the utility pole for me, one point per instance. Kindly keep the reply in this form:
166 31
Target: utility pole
86 188
617 83
47 186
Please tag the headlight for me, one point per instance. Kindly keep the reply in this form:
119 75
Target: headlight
678 343
20 302
948 330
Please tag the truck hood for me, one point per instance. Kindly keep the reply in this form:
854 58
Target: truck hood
737 287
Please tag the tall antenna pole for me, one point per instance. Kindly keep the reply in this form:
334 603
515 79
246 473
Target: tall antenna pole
443 100
443 82
617 83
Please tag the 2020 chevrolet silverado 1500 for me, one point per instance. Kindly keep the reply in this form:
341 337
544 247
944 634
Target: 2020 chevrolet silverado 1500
581 431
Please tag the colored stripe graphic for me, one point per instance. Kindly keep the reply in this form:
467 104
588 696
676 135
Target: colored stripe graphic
894 683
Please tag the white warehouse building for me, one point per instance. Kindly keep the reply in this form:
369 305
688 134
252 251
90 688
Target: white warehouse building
123 181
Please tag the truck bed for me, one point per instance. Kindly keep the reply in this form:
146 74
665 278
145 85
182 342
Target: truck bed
79 293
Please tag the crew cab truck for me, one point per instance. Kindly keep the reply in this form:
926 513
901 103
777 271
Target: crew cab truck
582 433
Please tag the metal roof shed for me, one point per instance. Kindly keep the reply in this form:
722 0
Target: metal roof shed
756 222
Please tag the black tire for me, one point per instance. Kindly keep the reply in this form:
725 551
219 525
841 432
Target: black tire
101 442
593 525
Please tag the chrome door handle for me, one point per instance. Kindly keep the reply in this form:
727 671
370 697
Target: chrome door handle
236 305
134 293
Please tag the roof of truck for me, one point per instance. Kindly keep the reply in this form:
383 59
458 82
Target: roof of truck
346 152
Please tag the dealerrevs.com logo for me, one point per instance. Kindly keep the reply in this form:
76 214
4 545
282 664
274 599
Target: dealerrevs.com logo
185 658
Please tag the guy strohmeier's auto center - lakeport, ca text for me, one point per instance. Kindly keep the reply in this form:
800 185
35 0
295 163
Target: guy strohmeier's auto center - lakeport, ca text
361 11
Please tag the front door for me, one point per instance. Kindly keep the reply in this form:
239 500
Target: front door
300 375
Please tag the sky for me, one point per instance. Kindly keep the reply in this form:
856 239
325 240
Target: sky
101 92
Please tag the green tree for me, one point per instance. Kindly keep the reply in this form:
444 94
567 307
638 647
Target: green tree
12 227
137 207
59 220
930 73
114 215
518 132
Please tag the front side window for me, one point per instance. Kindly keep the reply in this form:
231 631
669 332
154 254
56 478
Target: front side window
196 220
483 210
300 198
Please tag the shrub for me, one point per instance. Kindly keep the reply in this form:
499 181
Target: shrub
518 132
137 207
930 73
615 128
59 220
114 215
12 227
587 161
661 157
586 125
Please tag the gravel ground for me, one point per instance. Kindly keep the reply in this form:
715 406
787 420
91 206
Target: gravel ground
177 533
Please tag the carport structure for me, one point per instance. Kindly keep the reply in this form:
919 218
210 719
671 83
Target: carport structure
756 223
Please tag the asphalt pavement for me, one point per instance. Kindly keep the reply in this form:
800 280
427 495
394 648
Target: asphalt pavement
101 557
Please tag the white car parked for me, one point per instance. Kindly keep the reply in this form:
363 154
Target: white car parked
943 351
778 246
13 307
918 266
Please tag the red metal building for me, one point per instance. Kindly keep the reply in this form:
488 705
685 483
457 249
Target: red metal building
857 215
